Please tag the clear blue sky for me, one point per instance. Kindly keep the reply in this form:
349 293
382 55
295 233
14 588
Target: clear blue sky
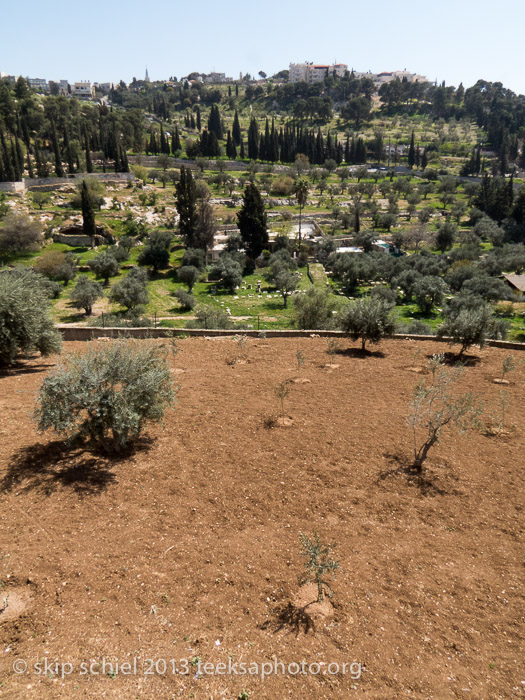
452 40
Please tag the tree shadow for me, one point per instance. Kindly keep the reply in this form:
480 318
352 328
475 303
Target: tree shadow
21 367
402 465
359 353
290 617
452 359
45 466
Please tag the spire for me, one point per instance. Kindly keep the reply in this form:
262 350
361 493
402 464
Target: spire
146 77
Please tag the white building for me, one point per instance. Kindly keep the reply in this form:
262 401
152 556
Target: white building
83 89
315 72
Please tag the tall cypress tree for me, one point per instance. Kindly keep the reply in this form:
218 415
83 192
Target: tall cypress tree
198 113
175 141
187 205
236 129
58 158
252 222
88 217
253 140
412 152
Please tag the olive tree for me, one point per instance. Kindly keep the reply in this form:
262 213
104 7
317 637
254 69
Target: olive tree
434 407
25 321
369 319
85 294
107 394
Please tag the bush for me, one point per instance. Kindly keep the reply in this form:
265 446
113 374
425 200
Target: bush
194 257
188 275
20 232
85 294
209 317
57 265
131 291
282 186
104 265
25 322
187 301
314 310
107 394
467 326
369 319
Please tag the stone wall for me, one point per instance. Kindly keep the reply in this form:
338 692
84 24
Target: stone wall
12 187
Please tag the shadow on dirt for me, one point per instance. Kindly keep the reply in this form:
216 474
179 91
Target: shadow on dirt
291 618
425 481
359 353
46 466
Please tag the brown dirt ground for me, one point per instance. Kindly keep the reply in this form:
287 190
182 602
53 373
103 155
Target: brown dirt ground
190 547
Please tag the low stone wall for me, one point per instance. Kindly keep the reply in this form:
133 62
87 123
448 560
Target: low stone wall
85 333
12 187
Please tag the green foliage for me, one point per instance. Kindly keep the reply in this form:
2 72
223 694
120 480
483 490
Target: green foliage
25 322
209 317
104 265
188 275
252 222
155 256
281 391
107 394
470 324
433 407
187 301
131 291
318 564
85 293
20 232
369 319
314 310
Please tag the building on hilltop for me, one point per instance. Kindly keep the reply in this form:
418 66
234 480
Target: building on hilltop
39 84
315 72
83 89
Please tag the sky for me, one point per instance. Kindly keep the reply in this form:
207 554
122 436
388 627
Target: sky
448 40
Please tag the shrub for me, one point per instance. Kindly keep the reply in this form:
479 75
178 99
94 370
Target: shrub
188 275
369 319
194 257
25 322
471 325
107 394
186 301
129 319
209 317
131 291
85 293
282 186
20 232
314 310
104 265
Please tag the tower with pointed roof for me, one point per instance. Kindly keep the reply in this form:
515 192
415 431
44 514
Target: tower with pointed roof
146 77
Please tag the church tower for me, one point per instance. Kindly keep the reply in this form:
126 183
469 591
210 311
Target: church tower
146 77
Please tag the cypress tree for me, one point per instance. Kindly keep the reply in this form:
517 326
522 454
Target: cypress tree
252 222
58 158
412 153
186 205
88 217
198 113
89 162
175 142
242 153
192 121
424 159
163 143
253 140
236 129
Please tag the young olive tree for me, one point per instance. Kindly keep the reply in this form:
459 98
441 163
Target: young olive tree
318 563
433 408
107 394
370 319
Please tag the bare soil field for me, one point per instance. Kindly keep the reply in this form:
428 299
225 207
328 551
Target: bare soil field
187 551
